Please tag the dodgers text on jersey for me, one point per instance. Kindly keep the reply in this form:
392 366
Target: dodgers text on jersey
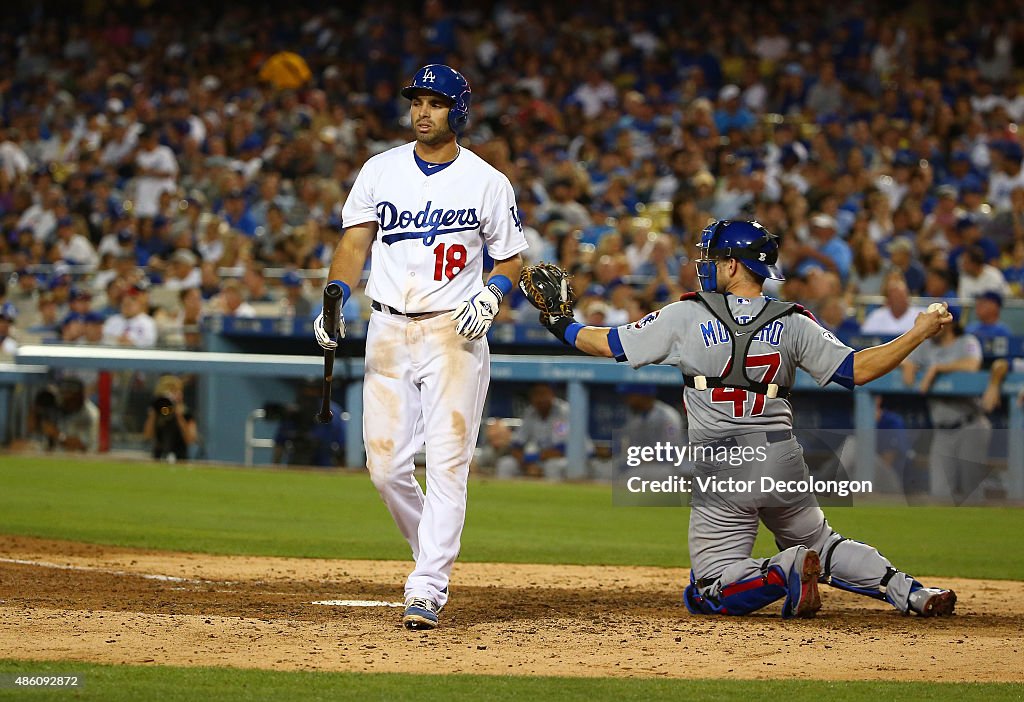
429 221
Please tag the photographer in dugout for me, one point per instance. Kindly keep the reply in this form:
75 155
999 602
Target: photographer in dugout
65 418
170 425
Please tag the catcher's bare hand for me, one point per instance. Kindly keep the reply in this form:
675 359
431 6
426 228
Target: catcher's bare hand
934 318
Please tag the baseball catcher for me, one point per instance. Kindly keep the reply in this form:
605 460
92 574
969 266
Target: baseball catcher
738 352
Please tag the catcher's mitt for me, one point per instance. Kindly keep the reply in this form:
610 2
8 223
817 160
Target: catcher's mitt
547 288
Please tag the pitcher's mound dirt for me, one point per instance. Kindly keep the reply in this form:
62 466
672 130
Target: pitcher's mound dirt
65 600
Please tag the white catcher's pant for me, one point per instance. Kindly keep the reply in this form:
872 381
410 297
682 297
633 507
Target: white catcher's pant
424 384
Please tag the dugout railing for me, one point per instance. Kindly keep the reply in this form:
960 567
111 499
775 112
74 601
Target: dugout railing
232 385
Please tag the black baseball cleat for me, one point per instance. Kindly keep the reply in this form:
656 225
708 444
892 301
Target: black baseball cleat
932 602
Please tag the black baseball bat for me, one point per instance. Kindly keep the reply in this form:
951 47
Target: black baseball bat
332 315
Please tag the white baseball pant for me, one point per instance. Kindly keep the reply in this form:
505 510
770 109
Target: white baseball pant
424 384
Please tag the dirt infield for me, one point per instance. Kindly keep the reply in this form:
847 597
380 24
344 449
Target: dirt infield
63 600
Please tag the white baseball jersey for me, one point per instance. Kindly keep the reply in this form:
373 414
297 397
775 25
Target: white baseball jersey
141 330
432 227
147 188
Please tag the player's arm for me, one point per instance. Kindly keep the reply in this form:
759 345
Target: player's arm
650 340
350 255
504 272
876 361
346 268
593 341
990 398
967 364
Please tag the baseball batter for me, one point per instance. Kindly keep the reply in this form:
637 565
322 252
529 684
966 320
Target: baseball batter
738 352
426 210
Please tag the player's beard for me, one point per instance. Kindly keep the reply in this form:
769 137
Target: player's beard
438 135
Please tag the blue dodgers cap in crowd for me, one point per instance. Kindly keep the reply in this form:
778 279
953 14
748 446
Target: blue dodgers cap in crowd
904 158
1010 149
291 279
964 223
991 295
960 156
93 318
65 222
72 317
77 293
972 184
253 141
8 311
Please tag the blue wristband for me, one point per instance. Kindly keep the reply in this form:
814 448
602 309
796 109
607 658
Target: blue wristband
572 331
346 291
502 283
615 345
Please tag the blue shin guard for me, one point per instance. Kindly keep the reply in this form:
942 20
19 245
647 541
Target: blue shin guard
738 598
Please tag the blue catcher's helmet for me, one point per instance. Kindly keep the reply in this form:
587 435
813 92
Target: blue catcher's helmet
748 242
445 81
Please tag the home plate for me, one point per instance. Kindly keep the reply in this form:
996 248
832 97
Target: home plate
359 603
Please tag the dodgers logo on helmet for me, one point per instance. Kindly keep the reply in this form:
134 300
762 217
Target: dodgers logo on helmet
444 80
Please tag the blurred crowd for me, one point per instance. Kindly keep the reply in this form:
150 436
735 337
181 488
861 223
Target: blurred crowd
155 165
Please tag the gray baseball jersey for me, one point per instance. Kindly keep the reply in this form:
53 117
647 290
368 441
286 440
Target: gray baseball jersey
686 335
947 411
662 423
539 433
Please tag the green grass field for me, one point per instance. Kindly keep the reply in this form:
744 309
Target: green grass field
332 515
133 683
335 515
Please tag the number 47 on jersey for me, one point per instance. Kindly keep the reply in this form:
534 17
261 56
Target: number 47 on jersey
770 362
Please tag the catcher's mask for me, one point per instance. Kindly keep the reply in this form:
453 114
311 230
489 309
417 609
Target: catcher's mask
748 242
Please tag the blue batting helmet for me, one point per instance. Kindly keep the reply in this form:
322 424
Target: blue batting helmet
445 81
748 242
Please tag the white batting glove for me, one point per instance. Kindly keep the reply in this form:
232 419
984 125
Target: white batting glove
322 337
474 316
